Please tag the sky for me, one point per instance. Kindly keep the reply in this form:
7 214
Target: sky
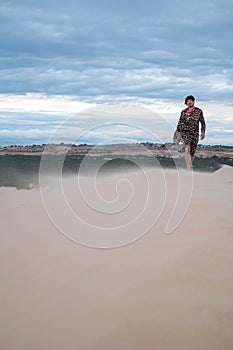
58 58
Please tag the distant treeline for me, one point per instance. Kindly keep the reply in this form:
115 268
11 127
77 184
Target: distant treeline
22 171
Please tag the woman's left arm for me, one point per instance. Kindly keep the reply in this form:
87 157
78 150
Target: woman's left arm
203 125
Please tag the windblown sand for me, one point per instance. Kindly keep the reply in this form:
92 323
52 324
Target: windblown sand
161 292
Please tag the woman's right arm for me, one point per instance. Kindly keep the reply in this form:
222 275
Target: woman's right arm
177 136
178 128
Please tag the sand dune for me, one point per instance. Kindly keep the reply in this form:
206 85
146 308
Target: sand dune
163 291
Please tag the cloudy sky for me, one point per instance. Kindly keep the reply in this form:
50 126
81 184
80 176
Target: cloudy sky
61 57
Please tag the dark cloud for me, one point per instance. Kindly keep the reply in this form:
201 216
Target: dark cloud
151 49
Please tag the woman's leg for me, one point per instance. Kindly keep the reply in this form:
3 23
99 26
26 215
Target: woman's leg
193 148
187 157
189 149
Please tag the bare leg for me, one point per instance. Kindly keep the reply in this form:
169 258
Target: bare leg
193 147
187 157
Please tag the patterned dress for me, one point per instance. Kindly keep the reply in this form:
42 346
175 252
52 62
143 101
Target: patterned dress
188 128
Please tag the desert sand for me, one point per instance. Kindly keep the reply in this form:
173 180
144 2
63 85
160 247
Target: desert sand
162 291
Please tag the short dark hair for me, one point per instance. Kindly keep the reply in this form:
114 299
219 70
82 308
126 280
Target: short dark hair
189 97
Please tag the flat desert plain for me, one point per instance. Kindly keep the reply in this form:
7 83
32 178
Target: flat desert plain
160 292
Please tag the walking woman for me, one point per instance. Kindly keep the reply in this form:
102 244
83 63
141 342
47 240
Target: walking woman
187 130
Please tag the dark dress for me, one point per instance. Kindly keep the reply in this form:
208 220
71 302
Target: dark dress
188 128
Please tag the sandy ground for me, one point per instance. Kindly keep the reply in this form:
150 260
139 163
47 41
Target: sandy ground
163 291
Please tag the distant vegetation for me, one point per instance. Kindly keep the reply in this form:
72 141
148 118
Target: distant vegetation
22 171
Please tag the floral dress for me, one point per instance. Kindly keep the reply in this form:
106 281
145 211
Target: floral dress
188 128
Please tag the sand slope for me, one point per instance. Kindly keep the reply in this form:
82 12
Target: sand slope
160 292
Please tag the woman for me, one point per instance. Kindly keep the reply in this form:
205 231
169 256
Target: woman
187 129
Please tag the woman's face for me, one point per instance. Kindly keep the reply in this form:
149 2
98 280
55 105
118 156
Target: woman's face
190 103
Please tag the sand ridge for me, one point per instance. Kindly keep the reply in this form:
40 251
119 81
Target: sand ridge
160 292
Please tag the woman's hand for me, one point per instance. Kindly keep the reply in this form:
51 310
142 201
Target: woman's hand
202 135
176 137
